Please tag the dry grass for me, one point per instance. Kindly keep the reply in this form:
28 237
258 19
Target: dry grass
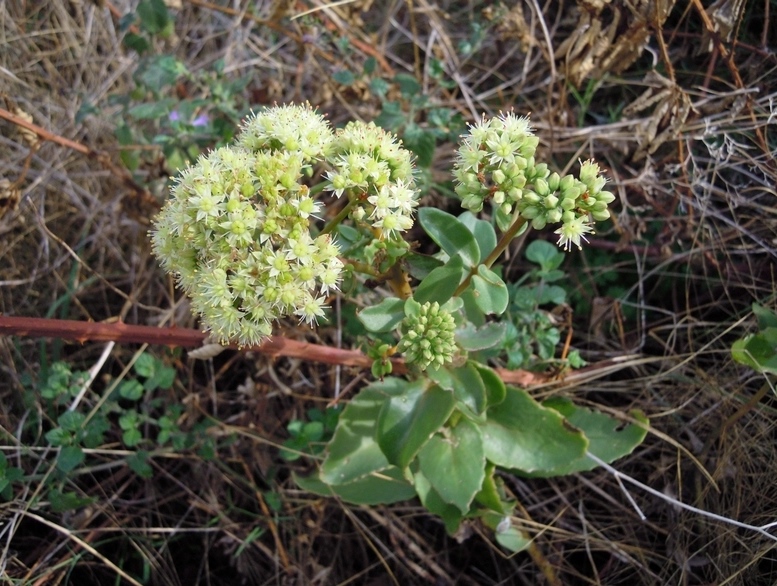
691 152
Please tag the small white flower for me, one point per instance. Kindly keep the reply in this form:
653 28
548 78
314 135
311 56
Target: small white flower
329 276
571 232
301 250
311 310
394 223
405 198
515 125
382 202
480 131
338 181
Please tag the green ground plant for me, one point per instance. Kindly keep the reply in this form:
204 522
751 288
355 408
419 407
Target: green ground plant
158 466
241 238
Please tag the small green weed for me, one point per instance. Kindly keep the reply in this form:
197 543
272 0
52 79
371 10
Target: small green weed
309 438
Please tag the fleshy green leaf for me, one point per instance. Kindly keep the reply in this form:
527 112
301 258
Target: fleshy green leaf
482 231
608 438
450 234
766 317
490 292
383 317
495 386
434 503
489 494
130 157
353 452
379 488
472 338
471 310
408 419
468 387
453 461
420 265
523 435
442 282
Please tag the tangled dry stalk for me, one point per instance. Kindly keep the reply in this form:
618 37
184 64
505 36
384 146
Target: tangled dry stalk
683 119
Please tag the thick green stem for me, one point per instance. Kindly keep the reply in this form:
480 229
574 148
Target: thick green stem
500 247
505 240
319 187
364 268
334 222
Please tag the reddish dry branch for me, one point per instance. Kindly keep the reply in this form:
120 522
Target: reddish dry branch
35 327
43 133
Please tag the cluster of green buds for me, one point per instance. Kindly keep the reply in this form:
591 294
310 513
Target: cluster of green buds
376 174
236 231
427 335
496 163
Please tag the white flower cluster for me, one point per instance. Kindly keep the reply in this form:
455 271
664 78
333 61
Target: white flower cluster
375 172
496 163
237 230
292 128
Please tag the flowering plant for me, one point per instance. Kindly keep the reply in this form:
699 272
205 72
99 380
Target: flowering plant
245 236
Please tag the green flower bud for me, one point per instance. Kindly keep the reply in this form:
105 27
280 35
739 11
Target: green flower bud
427 335
541 187
554 182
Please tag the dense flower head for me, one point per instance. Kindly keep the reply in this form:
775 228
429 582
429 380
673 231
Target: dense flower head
427 335
236 232
594 199
292 127
496 163
372 167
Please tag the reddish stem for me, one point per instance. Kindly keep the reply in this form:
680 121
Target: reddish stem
79 331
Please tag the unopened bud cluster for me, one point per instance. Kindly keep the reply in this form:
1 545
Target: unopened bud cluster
428 337
375 172
496 163
237 230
